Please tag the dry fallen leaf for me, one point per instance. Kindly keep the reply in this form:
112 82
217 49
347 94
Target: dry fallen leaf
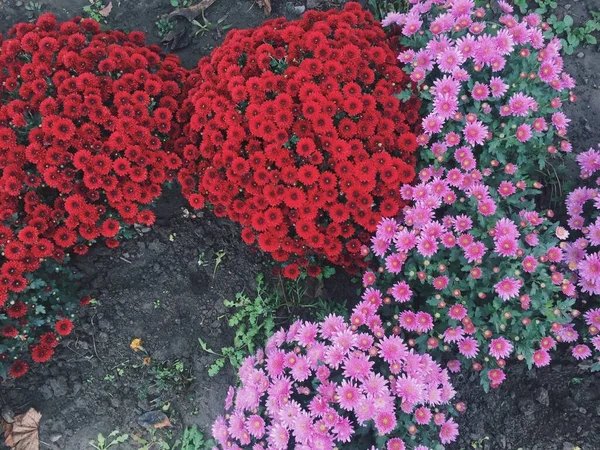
104 12
154 419
266 5
193 11
23 433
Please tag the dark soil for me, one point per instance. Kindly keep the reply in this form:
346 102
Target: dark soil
153 288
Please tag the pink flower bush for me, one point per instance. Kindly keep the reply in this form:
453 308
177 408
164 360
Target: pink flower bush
489 82
478 274
582 253
338 385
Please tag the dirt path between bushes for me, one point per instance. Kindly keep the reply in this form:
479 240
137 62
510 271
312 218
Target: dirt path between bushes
153 288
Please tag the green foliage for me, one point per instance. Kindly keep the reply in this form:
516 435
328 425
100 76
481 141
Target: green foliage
94 11
164 26
380 8
112 440
205 26
571 36
256 317
193 439
180 3
171 375
34 9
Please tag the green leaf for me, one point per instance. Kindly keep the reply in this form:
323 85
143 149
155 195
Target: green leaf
591 39
568 20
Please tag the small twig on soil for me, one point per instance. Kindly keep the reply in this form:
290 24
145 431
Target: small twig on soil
94 339
125 259
287 303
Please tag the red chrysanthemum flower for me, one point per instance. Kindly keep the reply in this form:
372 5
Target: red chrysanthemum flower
63 327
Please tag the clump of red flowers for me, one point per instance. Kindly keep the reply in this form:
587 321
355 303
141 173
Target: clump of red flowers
294 130
84 115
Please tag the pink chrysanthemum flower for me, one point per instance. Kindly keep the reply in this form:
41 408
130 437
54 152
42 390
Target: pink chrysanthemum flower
440 283
405 240
480 91
453 334
541 358
462 223
411 26
508 288
255 426
423 415
445 106
424 322
506 246
498 87
394 262
278 437
589 268
592 317
457 312
453 365
520 104
475 251
368 278
468 347
408 320
410 389
357 366
500 348
506 189
596 343
496 376
524 132
427 246
348 395
449 431
540 125
385 421
396 444
401 292
547 343
392 349
387 228
529 264
581 351
475 132
560 120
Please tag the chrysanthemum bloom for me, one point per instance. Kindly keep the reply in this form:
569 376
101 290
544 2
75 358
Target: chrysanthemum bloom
401 292
449 431
581 352
468 347
508 288
541 358
500 348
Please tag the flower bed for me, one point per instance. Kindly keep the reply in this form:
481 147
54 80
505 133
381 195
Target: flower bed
316 160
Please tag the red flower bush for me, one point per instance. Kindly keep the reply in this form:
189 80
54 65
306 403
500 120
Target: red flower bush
294 130
83 118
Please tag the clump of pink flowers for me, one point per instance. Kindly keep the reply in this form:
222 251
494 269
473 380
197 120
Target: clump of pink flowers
472 271
321 385
490 82
582 252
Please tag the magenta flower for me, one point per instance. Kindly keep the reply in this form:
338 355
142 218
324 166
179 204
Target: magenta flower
581 352
475 132
541 358
508 288
500 348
